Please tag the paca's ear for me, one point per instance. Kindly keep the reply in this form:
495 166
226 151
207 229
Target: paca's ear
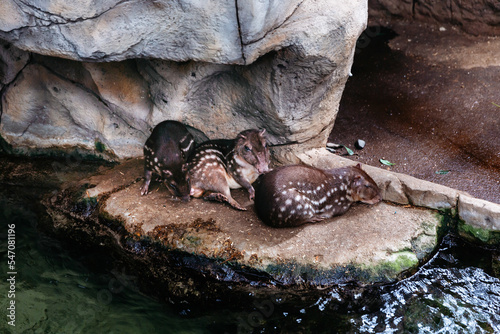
242 136
262 132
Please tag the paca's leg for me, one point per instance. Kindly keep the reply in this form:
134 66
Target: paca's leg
247 185
147 180
213 181
221 191
224 198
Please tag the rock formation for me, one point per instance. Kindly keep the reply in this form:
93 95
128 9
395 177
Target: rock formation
220 67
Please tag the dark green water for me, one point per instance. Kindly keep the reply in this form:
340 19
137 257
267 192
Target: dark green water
457 291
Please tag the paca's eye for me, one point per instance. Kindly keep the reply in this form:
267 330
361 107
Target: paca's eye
248 149
173 186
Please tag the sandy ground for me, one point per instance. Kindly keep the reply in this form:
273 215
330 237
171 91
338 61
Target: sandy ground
426 98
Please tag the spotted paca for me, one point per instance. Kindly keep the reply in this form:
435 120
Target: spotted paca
217 166
165 153
297 194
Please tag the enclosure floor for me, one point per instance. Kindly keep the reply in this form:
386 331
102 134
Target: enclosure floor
426 98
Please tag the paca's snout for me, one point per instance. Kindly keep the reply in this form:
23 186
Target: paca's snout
263 167
179 186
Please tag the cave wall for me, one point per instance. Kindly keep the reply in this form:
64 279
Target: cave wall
98 76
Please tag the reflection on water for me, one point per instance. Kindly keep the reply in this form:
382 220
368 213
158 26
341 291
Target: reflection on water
442 297
55 293
455 292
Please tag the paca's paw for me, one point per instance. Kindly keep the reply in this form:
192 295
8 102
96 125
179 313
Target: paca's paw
144 190
251 194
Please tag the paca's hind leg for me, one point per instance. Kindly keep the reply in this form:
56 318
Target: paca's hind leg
224 198
213 186
147 180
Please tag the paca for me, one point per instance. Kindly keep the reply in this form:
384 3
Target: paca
219 165
294 195
165 153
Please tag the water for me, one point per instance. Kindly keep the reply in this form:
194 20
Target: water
457 291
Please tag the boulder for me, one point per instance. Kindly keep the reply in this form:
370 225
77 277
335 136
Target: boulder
133 64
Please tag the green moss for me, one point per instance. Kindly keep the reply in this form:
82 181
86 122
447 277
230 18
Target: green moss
476 234
291 272
390 269
448 219
193 240
99 147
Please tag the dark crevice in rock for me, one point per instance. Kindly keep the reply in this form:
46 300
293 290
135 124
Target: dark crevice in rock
6 85
239 32
48 16
275 28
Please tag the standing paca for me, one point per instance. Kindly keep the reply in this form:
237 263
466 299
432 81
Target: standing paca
165 153
217 166
294 195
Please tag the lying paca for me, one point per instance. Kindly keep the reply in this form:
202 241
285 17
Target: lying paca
294 195
165 153
219 165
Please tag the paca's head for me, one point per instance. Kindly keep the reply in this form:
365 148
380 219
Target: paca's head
177 180
252 147
363 188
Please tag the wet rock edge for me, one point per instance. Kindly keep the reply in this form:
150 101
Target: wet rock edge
173 274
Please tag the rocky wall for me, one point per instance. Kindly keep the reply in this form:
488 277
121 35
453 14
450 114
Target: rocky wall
98 76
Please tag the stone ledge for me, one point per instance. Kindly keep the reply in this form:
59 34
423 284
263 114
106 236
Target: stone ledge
396 187
482 216
368 244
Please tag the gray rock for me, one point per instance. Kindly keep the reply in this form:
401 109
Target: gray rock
226 31
12 61
479 213
298 55
43 110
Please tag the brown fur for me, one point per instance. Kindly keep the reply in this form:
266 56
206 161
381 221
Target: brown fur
220 165
295 195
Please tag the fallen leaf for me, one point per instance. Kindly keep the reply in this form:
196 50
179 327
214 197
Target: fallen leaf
386 162
349 151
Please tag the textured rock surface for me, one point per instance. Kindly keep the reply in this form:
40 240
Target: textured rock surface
476 17
44 110
479 213
186 66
